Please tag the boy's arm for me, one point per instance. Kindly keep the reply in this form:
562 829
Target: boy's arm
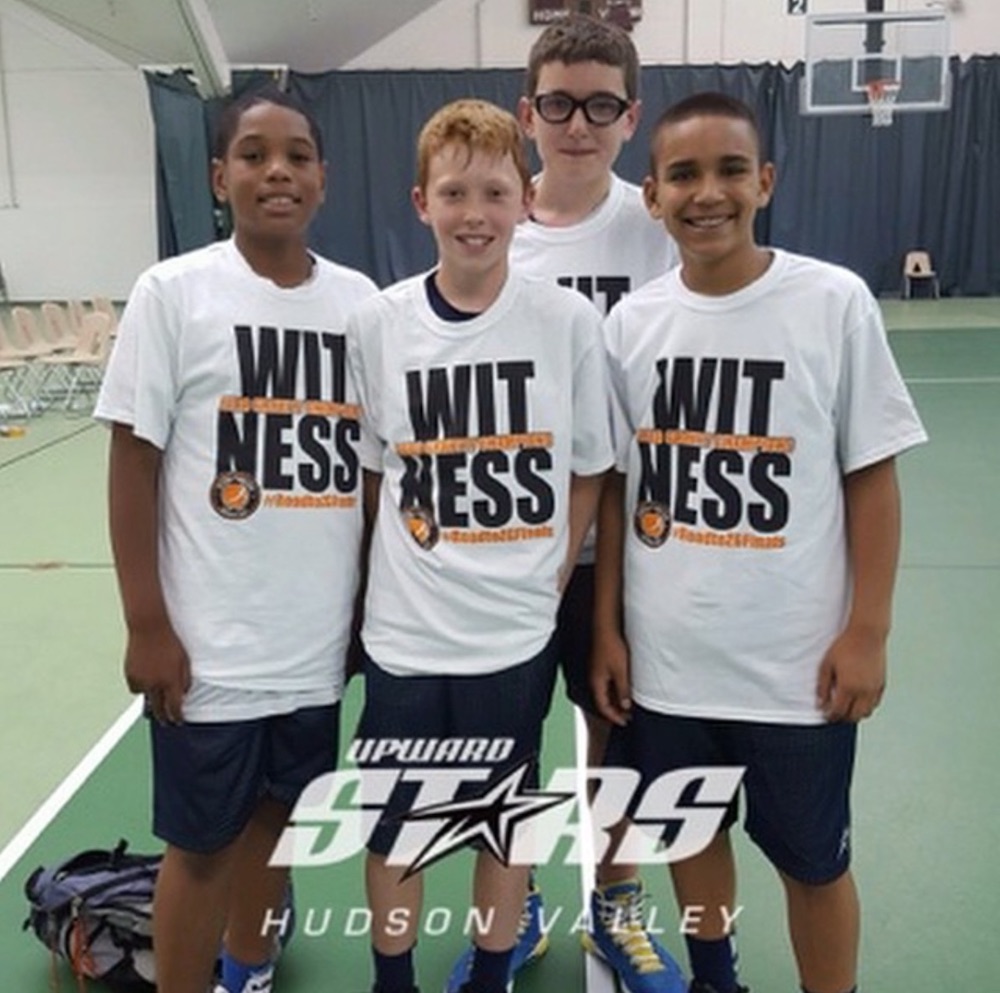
371 485
584 494
852 674
156 662
609 664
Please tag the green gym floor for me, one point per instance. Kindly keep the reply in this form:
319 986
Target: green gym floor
74 765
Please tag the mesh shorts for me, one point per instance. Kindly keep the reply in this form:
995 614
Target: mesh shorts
796 785
208 778
491 722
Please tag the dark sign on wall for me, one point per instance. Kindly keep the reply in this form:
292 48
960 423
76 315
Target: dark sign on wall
624 13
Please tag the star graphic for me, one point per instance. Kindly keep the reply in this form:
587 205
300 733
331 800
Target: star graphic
490 817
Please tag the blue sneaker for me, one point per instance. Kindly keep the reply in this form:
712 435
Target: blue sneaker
619 936
532 944
258 981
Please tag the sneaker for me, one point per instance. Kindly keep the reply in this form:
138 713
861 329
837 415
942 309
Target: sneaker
618 935
256 982
532 944
284 926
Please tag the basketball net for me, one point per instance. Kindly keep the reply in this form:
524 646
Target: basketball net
882 95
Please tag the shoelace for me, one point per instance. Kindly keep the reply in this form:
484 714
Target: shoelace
257 984
523 923
624 921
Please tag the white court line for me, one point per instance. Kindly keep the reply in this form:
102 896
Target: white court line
954 380
67 789
598 978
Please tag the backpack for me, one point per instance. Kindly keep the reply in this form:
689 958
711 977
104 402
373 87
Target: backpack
95 911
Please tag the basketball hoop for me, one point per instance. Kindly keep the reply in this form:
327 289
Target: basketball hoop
882 95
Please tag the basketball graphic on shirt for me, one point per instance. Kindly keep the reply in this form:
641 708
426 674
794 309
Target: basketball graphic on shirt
235 495
422 527
651 523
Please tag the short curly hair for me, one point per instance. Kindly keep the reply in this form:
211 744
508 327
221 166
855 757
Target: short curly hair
581 38
229 119
478 125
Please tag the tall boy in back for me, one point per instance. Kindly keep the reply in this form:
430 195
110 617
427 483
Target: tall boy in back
487 392
753 537
589 229
235 522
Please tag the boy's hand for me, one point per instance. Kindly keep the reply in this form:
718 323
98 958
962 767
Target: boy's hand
157 665
852 676
609 678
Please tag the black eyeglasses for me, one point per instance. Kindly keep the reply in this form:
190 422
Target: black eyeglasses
600 109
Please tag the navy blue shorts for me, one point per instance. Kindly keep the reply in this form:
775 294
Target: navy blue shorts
574 636
209 778
493 721
796 786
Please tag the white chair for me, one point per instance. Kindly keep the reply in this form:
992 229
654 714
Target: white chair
76 310
58 327
104 305
26 334
918 270
78 373
23 340
16 394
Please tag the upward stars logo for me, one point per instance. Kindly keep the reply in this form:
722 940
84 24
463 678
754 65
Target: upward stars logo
337 814
489 818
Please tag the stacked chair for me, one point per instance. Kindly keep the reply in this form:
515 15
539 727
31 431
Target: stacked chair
16 395
54 356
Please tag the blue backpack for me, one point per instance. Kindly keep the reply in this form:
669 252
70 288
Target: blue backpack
94 910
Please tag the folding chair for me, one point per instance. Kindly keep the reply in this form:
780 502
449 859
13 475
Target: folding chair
14 400
76 310
26 335
918 270
78 372
58 327
23 340
16 394
104 305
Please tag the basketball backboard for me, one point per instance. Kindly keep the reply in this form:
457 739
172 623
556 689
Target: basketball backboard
846 53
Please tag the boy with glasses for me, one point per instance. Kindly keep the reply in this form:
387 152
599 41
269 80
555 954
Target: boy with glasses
589 229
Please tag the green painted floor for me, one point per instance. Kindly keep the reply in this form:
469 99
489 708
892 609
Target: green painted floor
926 784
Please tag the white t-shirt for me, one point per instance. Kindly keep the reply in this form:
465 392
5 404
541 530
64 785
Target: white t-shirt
243 385
736 419
481 424
612 251
615 249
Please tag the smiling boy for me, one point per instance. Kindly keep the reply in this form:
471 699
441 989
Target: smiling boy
238 597
751 533
486 393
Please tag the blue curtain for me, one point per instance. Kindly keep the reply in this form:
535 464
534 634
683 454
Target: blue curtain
846 191
184 203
